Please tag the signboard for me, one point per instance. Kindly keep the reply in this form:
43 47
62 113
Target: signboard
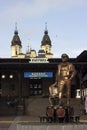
38 74
38 60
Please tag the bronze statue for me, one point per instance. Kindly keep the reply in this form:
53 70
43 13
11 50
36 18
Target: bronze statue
65 73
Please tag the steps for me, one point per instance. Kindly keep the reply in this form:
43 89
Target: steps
77 105
37 106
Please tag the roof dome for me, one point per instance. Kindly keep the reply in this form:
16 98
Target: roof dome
16 39
46 39
41 51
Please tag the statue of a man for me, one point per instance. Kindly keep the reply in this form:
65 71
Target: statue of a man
65 73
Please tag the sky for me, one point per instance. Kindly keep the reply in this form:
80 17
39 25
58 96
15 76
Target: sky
66 24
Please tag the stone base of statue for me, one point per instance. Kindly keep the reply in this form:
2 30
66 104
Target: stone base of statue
59 114
62 113
54 114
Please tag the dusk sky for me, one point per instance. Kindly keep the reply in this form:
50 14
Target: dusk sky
66 24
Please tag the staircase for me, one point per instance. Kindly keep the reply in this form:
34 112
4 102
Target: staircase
36 106
77 105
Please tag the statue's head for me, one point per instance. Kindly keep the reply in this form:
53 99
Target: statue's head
64 57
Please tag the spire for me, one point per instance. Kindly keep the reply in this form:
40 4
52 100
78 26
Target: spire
28 49
16 31
46 31
16 39
46 39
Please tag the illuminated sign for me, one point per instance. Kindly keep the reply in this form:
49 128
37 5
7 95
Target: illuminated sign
38 74
38 60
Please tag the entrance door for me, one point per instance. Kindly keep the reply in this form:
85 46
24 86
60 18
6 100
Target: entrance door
35 87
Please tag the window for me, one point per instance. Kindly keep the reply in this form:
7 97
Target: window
35 87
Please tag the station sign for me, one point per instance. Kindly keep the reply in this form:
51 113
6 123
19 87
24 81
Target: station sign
38 60
38 74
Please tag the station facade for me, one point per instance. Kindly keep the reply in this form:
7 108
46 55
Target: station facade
31 74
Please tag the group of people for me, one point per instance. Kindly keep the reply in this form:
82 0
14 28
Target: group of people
65 74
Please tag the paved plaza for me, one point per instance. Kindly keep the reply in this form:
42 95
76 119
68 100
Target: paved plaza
12 122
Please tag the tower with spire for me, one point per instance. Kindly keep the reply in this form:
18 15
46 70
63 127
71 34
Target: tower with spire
46 45
16 44
44 52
